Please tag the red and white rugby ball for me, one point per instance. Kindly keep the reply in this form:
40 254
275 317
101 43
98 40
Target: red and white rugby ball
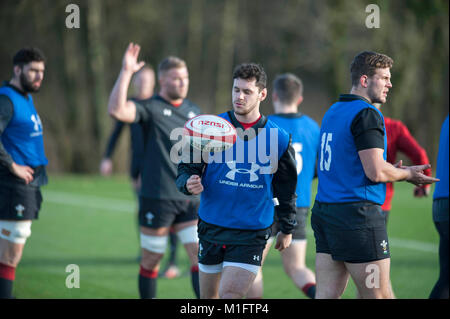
210 133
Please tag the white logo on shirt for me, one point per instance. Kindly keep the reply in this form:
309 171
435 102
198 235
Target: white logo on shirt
167 112
233 170
191 114
37 122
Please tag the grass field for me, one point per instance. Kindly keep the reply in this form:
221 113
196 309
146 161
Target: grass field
90 221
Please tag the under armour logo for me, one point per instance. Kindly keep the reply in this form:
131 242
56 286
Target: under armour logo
191 114
255 257
384 245
37 122
167 112
252 171
149 217
20 208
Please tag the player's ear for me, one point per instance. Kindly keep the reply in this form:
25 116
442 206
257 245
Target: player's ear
263 94
17 70
299 100
363 81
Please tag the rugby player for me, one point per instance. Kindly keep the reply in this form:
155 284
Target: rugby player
348 223
161 205
238 191
287 95
440 214
22 161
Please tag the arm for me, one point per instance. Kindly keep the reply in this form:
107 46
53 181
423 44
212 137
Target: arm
106 163
118 106
409 146
380 171
6 114
189 178
284 185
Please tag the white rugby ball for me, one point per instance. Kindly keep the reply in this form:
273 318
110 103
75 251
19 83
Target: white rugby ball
210 133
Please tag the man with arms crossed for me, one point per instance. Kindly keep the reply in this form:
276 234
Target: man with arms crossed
348 223
22 161
287 96
238 190
161 205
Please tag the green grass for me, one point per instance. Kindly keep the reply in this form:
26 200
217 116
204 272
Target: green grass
90 221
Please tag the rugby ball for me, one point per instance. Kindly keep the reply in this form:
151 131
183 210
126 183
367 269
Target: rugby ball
210 133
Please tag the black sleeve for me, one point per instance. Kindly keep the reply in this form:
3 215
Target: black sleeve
188 167
368 130
142 112
137 149
117 130
284 184
6 114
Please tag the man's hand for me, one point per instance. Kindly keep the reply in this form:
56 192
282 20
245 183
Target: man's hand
106 167
194 185
23 172
422 191
130 59
417 177
283 241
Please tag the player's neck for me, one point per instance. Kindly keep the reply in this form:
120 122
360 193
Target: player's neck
168 99
16 83
285 108
360 92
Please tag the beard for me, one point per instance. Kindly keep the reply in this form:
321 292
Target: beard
27 85
176 94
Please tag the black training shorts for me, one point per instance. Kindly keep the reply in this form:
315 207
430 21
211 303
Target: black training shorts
216 253
299 232
350 232
19 202
156 213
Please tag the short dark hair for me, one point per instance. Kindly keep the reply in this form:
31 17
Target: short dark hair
249 71
366 62
171 62
288 88
27 55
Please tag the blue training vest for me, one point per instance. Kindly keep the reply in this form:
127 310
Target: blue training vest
305 141
339 168
238 182
441 189
23 138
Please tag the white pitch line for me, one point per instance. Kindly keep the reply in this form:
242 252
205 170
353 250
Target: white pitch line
128 206
89 201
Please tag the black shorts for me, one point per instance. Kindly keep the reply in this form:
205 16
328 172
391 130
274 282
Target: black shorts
19 202
216 253
156 213
299 232
350 232
440 209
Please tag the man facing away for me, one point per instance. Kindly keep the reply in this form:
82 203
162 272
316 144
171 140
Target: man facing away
287 96
348 223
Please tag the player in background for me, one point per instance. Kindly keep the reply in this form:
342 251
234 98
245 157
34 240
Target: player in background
440 214
238 192
399 139
161 205
348 223
22 161
287 96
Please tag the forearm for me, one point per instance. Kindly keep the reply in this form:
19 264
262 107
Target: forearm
118 106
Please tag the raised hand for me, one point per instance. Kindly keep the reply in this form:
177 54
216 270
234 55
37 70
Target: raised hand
130 58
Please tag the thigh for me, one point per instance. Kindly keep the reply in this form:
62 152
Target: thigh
294 255
209 285
331 277
235 282
371 278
